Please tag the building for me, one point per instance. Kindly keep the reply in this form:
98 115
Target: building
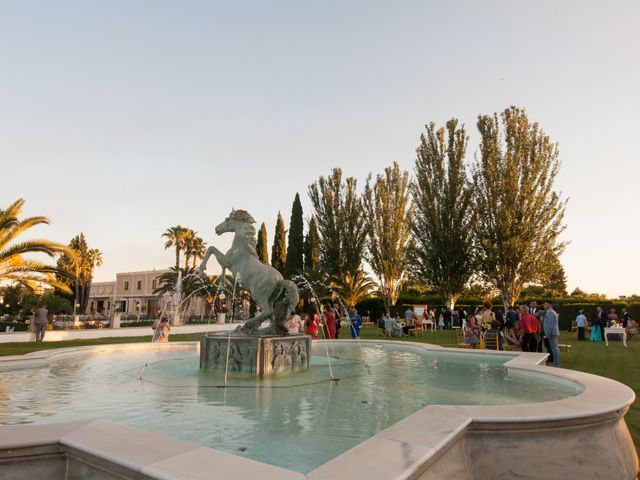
132 294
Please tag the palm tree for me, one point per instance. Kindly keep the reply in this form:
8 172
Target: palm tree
194 248
93 260
176 237
14 267
79 266
198 250
352 288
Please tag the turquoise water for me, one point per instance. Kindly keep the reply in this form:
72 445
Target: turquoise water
298 421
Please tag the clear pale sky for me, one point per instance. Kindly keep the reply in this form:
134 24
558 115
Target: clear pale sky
119 119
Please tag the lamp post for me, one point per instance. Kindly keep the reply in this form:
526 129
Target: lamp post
39 291
222 313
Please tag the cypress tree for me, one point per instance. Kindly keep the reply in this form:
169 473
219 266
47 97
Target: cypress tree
261 245
279 249
295 246
312 247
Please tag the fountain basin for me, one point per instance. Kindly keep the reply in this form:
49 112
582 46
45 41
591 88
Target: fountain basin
463 440
261 355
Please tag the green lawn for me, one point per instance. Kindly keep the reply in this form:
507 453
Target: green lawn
615 361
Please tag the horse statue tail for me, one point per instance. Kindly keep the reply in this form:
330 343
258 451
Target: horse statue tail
285 298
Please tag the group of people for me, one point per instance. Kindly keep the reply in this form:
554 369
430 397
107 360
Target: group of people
601 320
528 328
326 323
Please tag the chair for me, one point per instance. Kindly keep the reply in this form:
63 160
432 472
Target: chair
491 341
574 326
459 336
416 330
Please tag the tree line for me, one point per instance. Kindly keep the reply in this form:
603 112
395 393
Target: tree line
495 220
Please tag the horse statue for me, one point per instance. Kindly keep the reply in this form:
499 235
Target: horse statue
275 296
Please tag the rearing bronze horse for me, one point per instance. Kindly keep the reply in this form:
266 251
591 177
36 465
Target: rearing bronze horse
275 296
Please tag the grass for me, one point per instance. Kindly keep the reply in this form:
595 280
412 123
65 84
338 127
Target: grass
615 362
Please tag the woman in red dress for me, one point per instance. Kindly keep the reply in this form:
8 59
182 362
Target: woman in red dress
312 323
329 322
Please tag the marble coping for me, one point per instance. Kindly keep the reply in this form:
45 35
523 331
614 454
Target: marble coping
405 449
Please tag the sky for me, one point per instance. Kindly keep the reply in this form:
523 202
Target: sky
120 119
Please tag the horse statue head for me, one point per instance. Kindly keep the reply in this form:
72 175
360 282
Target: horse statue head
236 219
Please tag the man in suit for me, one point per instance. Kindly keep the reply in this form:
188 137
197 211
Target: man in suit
551 332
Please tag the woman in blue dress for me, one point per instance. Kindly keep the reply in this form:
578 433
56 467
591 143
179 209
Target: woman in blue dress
596 336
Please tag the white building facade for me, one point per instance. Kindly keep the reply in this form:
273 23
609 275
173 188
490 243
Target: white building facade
131 294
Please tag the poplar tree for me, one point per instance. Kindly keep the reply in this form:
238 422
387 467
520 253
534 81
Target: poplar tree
339 213
342 226
279 248
295 246
261 245
444 212
519 214
387 205
312 247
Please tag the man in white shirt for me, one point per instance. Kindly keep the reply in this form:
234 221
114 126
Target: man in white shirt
581 323
294 324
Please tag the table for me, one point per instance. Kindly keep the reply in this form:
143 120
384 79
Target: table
619 330
430 324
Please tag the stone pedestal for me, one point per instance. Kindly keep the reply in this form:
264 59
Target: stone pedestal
115 321
261 355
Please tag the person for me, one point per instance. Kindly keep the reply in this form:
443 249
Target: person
626 316
495 328
543 339
530 330
390 325
511 318
329 323
447 317
165 328
632 328
337 315
612 318
499 318
294 324
596 335
552 332
356 323
581 323
601 319
487 314
409 321
533 307
409 314
158 326
312 323
471 336
473 320
462 316
514 335
41 322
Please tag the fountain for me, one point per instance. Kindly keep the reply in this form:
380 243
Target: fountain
252 349
401 410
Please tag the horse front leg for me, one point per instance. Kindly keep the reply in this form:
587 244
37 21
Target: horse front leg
219 256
